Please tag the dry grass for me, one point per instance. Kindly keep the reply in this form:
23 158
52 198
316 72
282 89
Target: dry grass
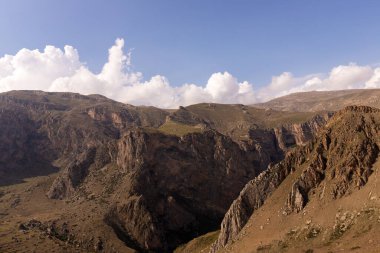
178 129
200 244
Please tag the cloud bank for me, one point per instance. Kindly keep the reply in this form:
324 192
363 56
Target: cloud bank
55 69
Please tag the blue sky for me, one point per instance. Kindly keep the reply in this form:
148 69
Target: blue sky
187 41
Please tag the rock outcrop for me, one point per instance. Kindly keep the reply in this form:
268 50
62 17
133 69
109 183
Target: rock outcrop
341 157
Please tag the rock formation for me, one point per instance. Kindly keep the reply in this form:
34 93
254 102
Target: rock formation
341 157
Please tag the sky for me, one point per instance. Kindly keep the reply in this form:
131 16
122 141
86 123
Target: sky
168 53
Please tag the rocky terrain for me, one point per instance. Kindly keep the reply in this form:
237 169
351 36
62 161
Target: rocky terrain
85 173
88 174
323 197
313 101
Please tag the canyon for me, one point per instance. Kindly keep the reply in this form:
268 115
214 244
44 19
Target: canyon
88 174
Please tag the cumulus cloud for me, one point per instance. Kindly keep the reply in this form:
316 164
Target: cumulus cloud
374 81
57 70
54 69
351 76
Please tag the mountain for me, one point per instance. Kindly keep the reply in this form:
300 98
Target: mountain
323 197
85 173
314 101
38 128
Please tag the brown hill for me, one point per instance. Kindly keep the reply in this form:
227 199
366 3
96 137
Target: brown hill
128 178
322 197
314 101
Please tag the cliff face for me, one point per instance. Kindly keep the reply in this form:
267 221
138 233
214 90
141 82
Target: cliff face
341 158
179 186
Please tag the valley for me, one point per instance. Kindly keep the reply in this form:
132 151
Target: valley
88 174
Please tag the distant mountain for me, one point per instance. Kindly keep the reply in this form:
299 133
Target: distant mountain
314 101
323 197
86 173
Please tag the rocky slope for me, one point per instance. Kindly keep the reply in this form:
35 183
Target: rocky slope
335 165
40 128
314 101
147 179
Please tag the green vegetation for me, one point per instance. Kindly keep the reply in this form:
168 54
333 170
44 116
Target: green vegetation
178 129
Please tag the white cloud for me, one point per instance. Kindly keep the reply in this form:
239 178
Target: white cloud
342 77
374 81
54 69
57 70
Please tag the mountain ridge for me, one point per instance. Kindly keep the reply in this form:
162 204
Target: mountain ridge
323 100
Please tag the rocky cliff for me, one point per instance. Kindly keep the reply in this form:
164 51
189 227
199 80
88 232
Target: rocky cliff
336 163
178 186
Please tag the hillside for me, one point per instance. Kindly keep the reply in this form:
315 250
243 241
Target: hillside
323 197
237 120
85 173
314 101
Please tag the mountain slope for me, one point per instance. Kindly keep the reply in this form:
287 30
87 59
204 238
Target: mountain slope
237 120
90 173
38 128
336 174
314 101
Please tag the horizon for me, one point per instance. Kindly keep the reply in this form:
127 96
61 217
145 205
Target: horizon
291 94
57 48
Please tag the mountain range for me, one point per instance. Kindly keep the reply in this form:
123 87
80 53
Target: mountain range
88 174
